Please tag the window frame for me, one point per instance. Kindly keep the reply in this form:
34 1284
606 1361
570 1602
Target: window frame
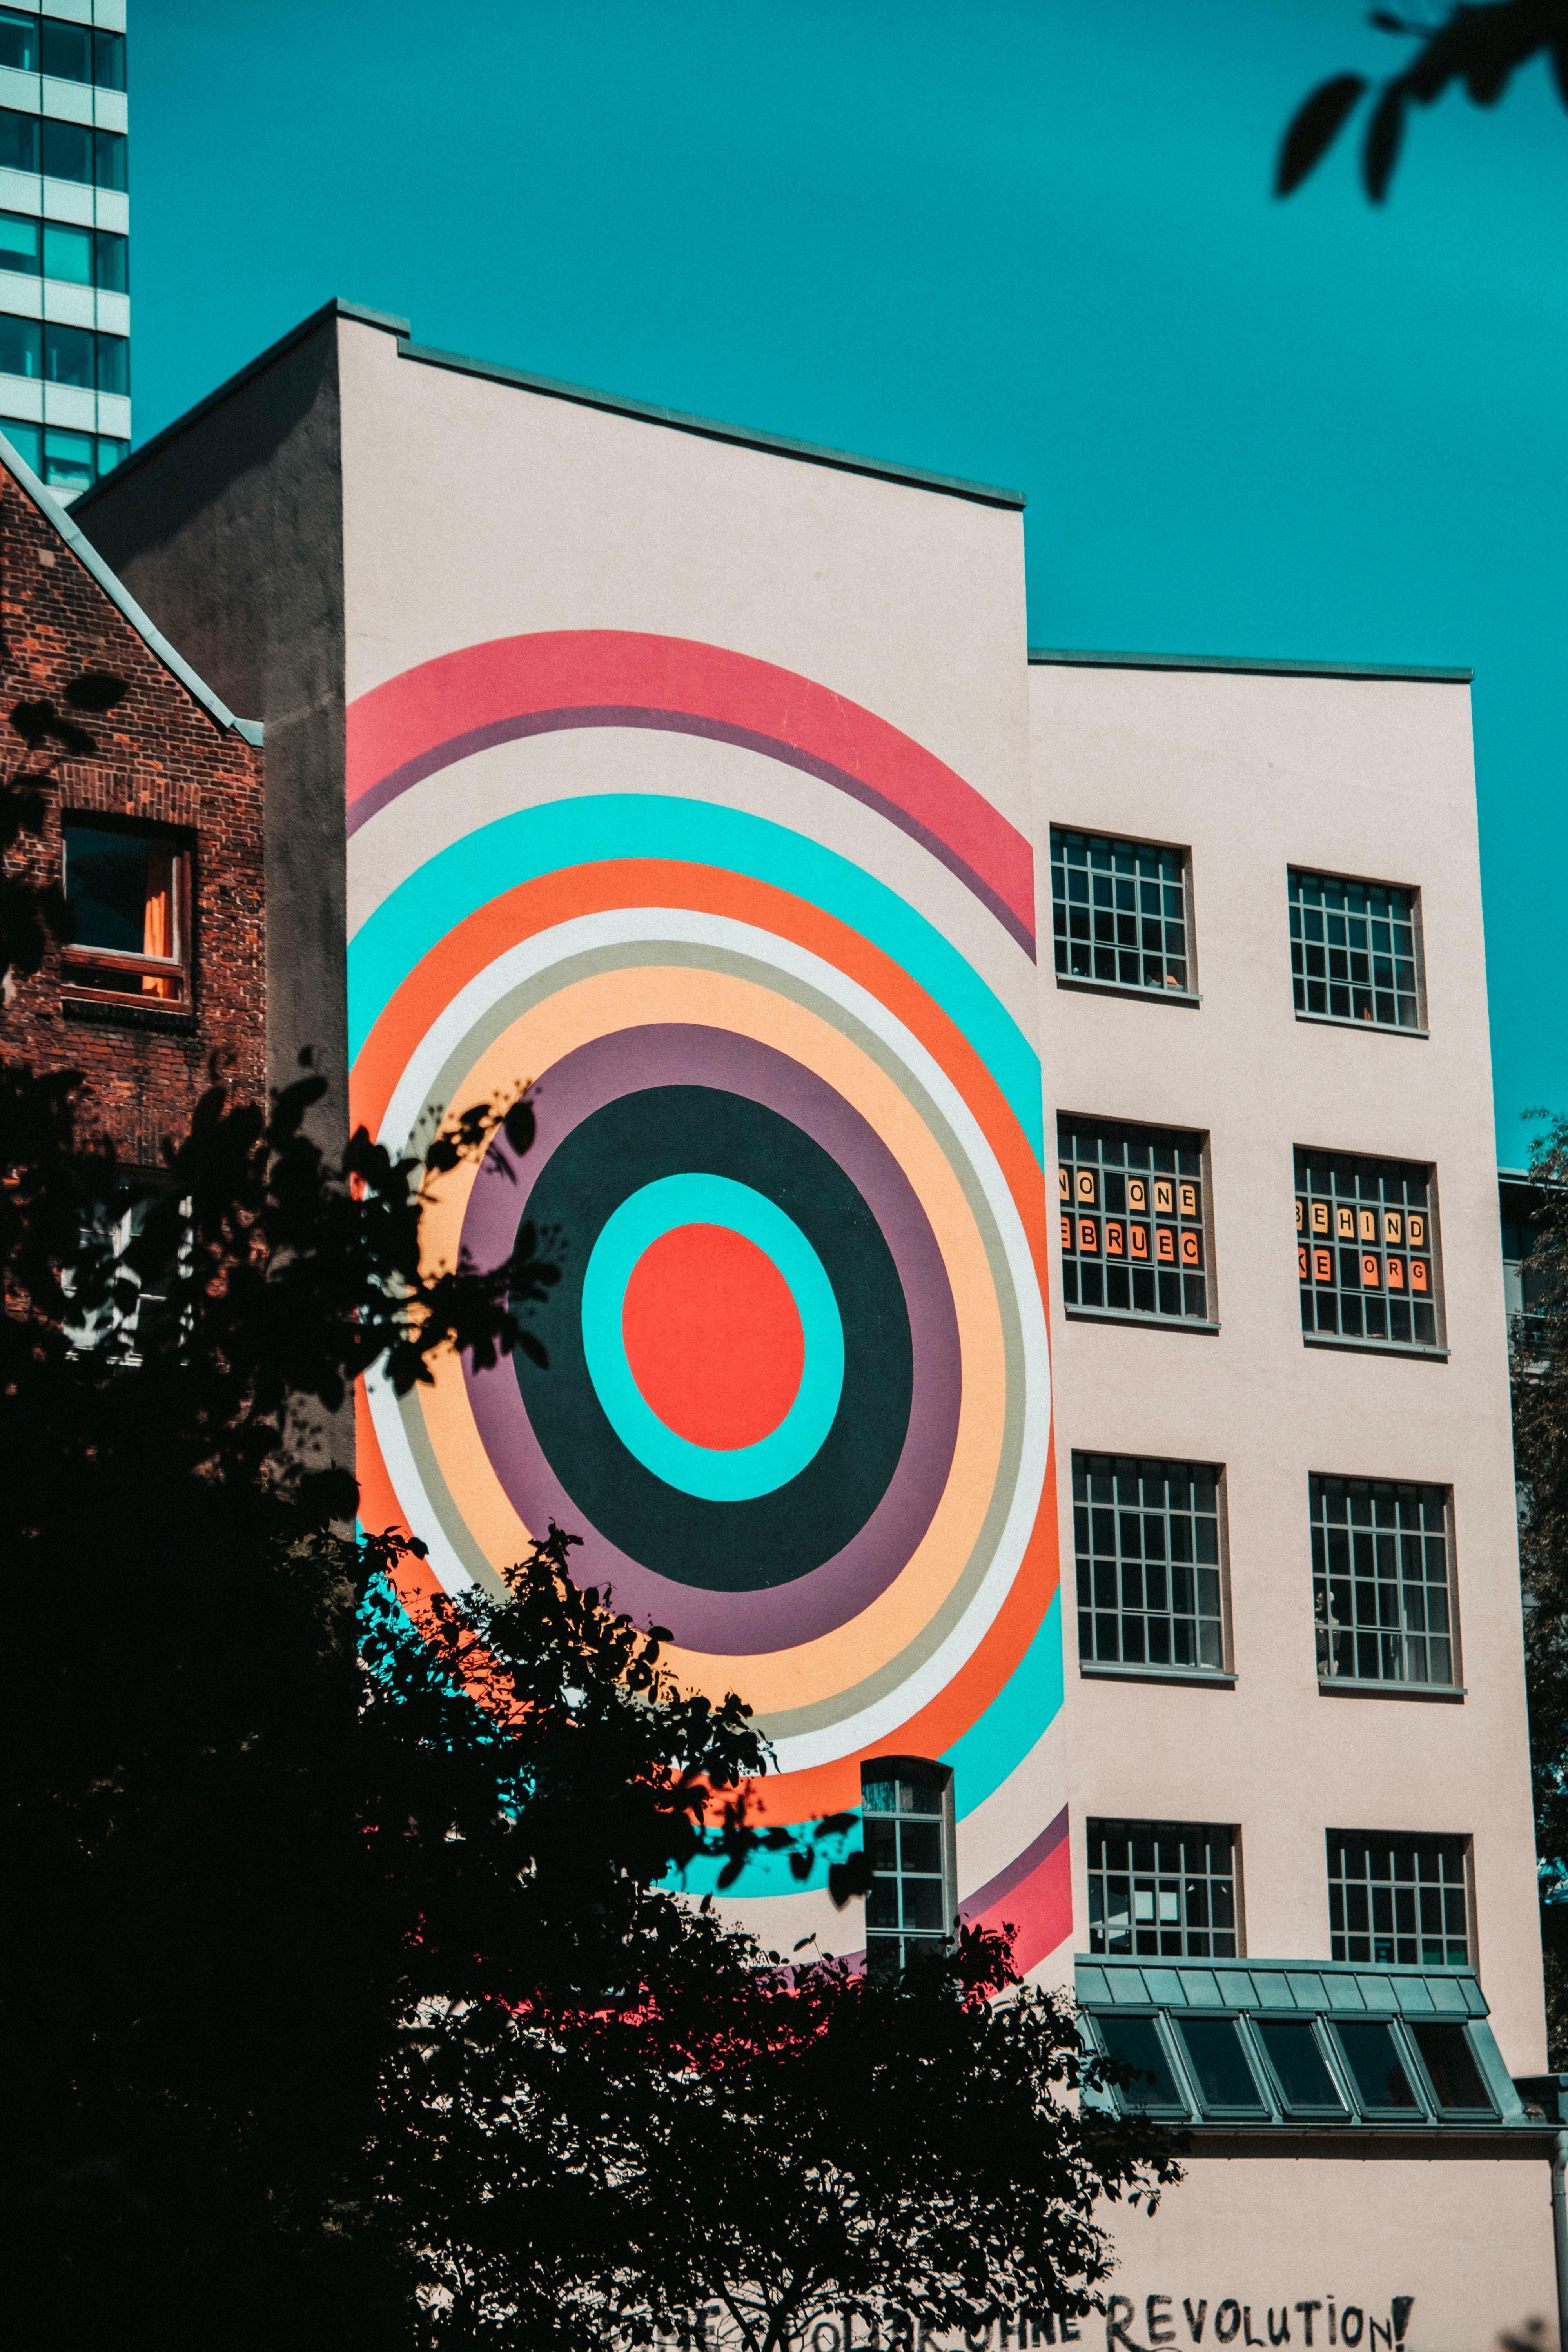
1096 1825
1221 2110
1343 2110
103 41
1425 2083
1071 1205
1308 1283
101 241
1138 992
1418 953
97 336
1421 2110
78 957
938 1777
1460 1840
1165 2034
1380 1685
1079 1460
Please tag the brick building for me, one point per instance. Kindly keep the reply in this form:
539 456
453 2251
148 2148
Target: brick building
153 794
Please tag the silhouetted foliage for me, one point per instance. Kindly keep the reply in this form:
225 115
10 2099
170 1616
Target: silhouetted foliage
199 1973
1480 44
31 914
1538 1366
349 2000
762 2143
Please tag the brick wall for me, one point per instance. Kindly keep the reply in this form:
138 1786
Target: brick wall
158 755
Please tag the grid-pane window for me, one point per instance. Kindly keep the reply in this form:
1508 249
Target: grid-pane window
908 1828
1146 1535
1165 1889
1365 1251
1133 1220
1352 950
1381 1582
1118 909
1398 1901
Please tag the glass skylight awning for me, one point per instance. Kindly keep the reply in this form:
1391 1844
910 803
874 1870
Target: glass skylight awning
1272 2045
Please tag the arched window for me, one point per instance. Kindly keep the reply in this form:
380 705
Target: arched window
913 1903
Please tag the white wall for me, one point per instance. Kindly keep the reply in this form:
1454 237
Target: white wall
475 510
1253 774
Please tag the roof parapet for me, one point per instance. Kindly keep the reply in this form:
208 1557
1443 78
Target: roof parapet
616 403
1255 664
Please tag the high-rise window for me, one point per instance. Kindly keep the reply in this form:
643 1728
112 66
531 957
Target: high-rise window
18 141
1133 1239
66 52
912 1905
1118 910
64 151
1355 952
1365 1249
69 355
1381 1582
112 357
1146 1535
78 257
1399 1901
21 346
68 462
19 40
1166 1890
19 238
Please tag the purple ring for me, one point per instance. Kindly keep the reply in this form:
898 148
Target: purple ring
728 1623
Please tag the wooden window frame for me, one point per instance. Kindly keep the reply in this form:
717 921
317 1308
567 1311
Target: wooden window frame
77 958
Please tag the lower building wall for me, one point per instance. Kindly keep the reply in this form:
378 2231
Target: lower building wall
1318 2252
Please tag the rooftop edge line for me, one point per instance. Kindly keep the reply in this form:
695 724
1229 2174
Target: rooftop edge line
1258 665
616 403
710 429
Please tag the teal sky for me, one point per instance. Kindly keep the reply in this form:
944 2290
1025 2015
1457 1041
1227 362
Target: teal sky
1019 240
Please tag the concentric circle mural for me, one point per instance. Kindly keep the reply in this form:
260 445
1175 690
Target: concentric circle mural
774 998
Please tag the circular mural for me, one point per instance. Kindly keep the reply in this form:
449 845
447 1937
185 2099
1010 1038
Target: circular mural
797 1400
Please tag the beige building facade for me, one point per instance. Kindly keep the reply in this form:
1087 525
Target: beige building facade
933 1046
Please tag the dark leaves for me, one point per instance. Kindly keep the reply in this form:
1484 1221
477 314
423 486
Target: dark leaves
1383 134
1314 127
1480 44
1538 1366
519 1125
39 724
96 689
848 1878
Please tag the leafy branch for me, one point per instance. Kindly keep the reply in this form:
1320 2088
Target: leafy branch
1480 43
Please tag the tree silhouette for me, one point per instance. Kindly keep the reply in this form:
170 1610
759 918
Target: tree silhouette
1480 44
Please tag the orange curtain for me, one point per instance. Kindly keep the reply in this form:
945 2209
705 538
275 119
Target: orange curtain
158 926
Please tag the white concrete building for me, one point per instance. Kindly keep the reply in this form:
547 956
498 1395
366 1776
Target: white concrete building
1102 1485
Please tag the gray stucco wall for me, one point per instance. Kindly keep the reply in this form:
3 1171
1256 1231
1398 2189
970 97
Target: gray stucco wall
228 531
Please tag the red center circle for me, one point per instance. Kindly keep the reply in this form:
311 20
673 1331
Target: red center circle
712 1336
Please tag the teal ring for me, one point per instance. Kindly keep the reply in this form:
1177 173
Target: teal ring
728 1475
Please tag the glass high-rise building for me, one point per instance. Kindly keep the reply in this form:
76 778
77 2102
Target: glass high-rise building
64 279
